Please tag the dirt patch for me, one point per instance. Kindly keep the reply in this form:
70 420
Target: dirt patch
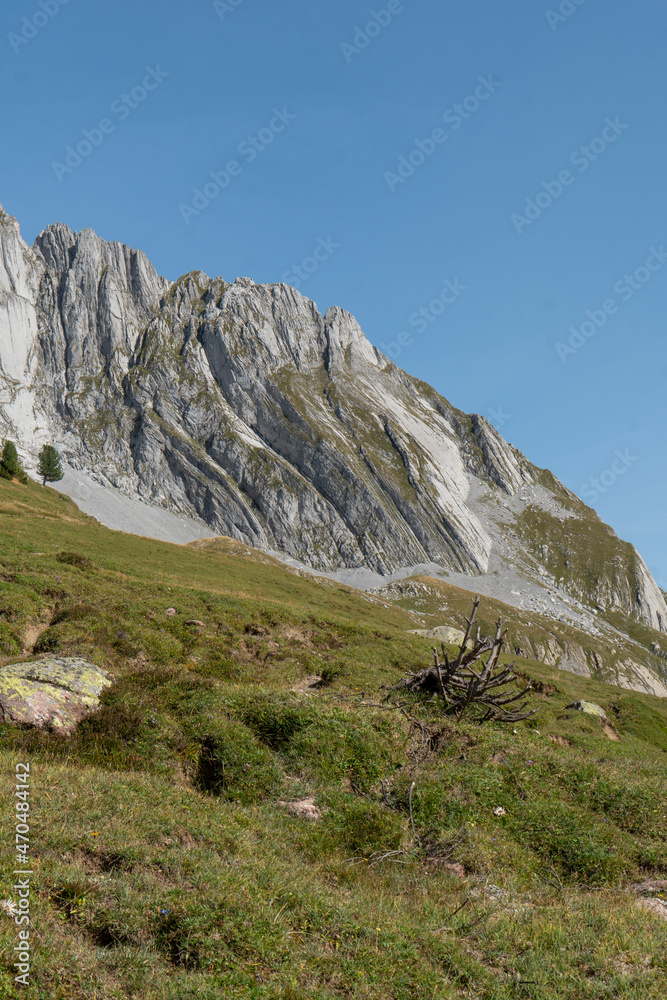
307 685
34 630
297 635
259 649
609 730
560 741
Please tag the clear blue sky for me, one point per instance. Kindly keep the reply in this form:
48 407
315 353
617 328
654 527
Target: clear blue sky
555 81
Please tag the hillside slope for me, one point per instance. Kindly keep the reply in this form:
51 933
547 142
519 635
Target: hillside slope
166 865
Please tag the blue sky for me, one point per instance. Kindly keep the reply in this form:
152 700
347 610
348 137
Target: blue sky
316 106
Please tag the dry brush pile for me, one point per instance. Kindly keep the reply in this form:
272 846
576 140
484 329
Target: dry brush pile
468 684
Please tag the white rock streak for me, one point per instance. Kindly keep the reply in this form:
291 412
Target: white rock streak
242 407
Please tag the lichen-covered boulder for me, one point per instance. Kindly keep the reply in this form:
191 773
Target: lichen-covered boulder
444 633
52 693
589 708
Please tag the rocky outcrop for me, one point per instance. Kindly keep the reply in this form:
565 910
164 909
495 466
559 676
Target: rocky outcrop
51 693
242 405
444 633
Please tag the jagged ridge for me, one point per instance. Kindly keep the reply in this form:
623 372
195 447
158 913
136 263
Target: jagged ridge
276 425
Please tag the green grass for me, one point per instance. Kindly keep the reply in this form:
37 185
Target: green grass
165 865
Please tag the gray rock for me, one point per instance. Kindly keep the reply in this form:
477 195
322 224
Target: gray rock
52 693
444 633
243 407
589 708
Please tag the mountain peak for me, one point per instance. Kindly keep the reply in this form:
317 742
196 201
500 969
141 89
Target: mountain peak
240 404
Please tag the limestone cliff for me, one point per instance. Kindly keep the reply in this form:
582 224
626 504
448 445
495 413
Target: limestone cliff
276 425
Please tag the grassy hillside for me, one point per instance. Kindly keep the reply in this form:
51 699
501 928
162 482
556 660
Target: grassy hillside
166 866
617 655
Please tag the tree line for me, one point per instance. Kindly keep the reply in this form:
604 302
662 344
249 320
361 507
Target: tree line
49 467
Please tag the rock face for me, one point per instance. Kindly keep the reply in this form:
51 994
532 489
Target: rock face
53 693
280 427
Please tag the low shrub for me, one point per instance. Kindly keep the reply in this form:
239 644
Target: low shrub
581 850
233 765
359 825
74 559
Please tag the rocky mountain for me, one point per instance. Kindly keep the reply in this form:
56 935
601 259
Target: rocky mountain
241 405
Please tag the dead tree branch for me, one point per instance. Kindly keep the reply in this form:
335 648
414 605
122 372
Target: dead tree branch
485 692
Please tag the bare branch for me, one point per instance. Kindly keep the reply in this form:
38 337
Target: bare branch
461 688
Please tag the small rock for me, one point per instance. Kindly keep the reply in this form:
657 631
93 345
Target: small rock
588 708
652 886
53 693
170 611
303 809
657 906
445 633
194 621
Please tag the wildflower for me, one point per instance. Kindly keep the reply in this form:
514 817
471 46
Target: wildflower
499 811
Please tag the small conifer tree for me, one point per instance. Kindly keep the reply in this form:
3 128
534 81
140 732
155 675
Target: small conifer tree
10 459
10 467
49 466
